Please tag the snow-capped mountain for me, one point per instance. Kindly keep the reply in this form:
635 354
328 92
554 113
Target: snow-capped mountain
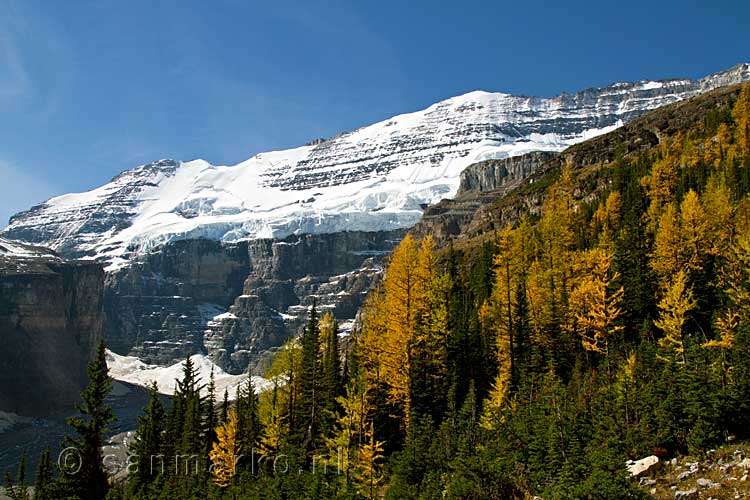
378 177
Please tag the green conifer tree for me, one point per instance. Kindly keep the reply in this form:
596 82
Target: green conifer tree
91 481
148 443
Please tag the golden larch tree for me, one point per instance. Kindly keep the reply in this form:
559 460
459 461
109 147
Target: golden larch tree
674 309
693 232
392 317
741 117
368 472
225 452
668 255
596 308
350 427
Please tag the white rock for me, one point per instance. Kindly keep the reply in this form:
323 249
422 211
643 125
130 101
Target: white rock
638 466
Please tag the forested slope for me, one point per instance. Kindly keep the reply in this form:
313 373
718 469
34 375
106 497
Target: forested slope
597 314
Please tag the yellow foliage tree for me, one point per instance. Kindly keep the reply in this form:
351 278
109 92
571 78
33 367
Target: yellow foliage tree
693 232
674 307
496 315
741 117
550 274
225 452
736 281
277 407
498 393
662 182
350 427
596 308
668 257
367 472
407 303
271 417
718 214
606 218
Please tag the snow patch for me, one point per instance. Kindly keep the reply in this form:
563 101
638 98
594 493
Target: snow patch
132 370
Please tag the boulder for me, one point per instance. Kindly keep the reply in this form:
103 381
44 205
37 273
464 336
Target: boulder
690 494
636 467
685 475
705 483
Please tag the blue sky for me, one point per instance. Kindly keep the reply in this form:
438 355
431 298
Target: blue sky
91 88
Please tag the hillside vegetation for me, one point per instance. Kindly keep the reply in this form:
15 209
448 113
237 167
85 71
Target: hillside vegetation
607 320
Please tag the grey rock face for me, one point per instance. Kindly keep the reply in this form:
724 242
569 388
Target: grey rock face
495 174
158 307
237 302
51 318
480 184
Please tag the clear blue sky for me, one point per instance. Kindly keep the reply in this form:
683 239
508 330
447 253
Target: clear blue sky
90 88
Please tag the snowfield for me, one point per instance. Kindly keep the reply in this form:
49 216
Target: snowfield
132 370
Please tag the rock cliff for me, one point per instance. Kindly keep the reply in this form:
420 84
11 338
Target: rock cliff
51 318
237 302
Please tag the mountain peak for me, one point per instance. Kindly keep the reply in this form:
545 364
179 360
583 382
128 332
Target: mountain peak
378 177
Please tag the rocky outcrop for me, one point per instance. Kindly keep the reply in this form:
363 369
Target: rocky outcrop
51 318
492 175
481 183
158 306
237 302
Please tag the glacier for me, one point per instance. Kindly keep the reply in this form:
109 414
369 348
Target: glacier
376 178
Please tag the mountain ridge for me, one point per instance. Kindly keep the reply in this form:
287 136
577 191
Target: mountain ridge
376 177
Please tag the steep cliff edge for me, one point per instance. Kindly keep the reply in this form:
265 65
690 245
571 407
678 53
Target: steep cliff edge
51 318
237 302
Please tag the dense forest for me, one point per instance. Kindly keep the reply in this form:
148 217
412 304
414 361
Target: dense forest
613 325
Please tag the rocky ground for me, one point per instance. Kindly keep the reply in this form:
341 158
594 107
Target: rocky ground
720 474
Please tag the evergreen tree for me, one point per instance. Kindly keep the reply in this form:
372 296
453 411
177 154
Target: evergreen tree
248 421
225 407
310 384
148 443
209 418
330 386
43 487
18 490
91 481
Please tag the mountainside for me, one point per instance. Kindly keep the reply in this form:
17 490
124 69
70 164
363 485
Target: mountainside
495 193
225 260
375 178
578 326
